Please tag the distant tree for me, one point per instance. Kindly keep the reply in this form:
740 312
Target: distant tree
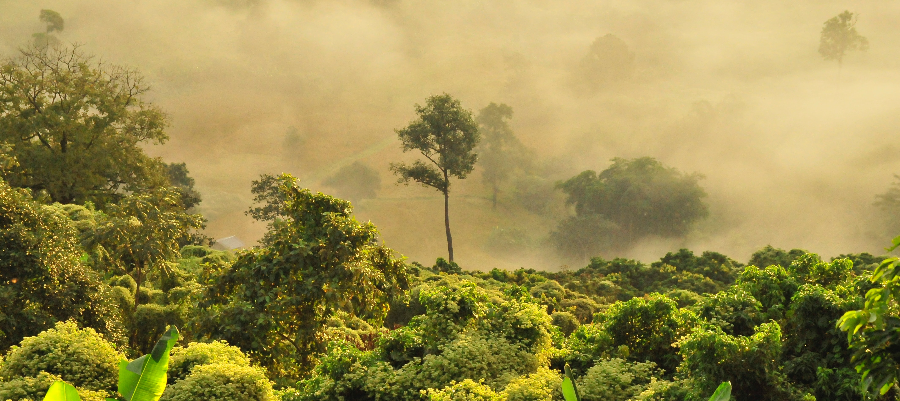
54 23
630 200
355 182
77 126
608 60
500 151
446 135
274 301
889 203
839 36
177 173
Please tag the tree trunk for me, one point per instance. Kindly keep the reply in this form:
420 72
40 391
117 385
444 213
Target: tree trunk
494 198
137 292
447 215
137 279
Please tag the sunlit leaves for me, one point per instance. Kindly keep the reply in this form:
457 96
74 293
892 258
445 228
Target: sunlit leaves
273 301
874 331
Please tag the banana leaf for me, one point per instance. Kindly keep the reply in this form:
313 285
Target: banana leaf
570 393
723 393
62 391
144 379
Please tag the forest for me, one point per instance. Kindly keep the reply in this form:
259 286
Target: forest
112 287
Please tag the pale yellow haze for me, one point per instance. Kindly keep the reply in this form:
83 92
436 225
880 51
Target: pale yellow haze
793 149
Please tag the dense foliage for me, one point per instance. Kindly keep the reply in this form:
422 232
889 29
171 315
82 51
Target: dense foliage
629 200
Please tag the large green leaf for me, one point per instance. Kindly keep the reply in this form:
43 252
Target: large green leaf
570 393
723 393
568 389
62 391
144 379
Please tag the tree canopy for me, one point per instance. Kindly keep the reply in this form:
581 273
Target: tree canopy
446 135
630 200
839 36
274 301
76 126
42 279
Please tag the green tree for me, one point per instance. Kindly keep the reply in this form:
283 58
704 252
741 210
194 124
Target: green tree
77 126
874 331
749 363
639 197
142 233
273 301
42 280
839 36
649 327
500 151
446 135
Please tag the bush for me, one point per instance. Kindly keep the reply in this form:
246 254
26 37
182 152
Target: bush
184 359
648 327
750 363
43 278
543 385
222 382
466 390
566 321
124 281
616 380
35 388
492 359
151 321
78 356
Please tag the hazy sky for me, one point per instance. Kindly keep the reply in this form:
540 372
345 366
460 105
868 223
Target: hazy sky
793 149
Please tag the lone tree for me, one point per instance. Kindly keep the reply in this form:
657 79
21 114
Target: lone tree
77 126
839 36
446 134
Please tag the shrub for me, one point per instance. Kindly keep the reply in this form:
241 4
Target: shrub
616 380
222 382
35 388
750 363
648 327
78 356
466 390
543 385
493 359
566 321
124 281
521 323
184 359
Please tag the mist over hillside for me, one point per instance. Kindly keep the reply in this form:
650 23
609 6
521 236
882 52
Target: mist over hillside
793 148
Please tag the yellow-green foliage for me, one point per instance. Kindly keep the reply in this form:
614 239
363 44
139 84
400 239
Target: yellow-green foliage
466 390
222 382
35 388
184 359
616 380
78 356
543 385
